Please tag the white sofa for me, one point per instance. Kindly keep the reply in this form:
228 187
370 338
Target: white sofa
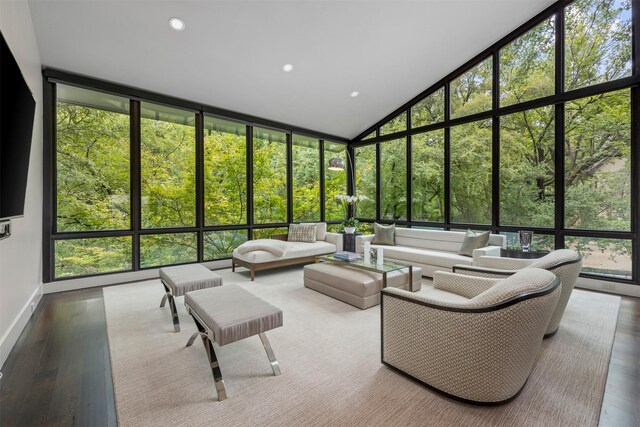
432 250
294 252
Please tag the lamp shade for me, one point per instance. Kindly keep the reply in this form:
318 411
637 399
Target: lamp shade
336 164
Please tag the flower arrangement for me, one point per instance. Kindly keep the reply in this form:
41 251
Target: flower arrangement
348 201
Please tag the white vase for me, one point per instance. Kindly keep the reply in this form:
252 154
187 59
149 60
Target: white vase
349 230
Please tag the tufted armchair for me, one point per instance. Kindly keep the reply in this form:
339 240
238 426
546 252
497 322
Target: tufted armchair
474 339
563 262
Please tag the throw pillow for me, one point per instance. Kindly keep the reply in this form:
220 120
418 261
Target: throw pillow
472 241
302 233
385 235
321 229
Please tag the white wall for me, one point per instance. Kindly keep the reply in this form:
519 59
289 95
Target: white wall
21 254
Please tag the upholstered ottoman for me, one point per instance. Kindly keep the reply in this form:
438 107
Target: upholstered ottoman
227 314
359 288
181 279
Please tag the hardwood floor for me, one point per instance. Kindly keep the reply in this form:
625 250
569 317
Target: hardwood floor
621 404
59 371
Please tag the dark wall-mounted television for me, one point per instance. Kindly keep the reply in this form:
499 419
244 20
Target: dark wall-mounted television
17 108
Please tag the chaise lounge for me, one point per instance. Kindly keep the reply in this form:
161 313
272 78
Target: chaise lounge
280 251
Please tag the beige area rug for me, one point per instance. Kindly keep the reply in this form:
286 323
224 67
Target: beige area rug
329 353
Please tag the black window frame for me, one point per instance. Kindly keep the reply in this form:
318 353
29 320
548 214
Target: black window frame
557 100
52 77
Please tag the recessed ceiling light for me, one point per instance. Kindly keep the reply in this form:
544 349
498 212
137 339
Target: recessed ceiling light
177 24
354 94
287 67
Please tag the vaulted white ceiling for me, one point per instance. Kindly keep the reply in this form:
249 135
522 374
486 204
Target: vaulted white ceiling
231 53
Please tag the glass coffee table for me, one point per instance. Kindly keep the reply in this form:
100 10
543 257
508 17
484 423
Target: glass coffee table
384 268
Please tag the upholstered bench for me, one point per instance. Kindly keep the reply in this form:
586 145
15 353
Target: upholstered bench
181 279
227 314
359 288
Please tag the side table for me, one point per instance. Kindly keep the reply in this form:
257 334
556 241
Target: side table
516 253
349 241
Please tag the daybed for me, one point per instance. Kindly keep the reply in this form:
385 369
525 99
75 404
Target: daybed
262 254
433 250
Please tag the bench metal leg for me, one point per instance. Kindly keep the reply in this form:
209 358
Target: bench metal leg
193 338
172 305
174 313
213 359
215 369
270 354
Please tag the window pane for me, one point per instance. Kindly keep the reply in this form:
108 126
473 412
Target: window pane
168 166
166 249
608 257
336 228
397 124
266 233
369 136
471 173
335 181
428 176
527 173
597 162
366 180
225 172
429 110
597 42
527 65
471 92
80 257
539 243
306 178
92 160
269 176
365 228
220 244
393 179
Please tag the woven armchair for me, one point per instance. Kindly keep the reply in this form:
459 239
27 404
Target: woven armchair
472 339
563 262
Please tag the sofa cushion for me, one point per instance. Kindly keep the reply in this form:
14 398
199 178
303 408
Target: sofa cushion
294 250
276 247
425 256
384 235
357 282
473 240
450 241
302 233
321 229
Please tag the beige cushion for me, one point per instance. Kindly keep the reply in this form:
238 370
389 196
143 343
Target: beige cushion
233 313
321 229
384 235
186 278
275 247
294 250
473 241
359 288
302 233
425 256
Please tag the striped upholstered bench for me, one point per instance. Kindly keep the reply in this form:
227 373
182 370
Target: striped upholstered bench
228 314
181 279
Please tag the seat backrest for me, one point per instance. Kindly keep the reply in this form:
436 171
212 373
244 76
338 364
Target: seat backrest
440 240
555 259
525 281
566 264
